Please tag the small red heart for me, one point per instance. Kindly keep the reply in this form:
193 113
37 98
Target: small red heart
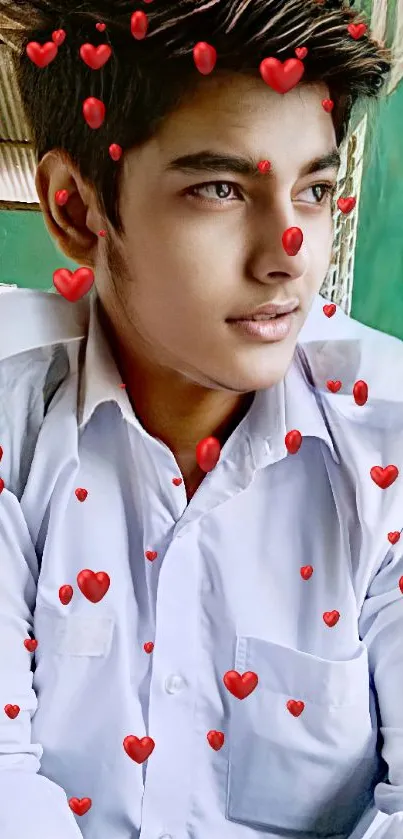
327 105
149 646
264 166
177 481
102 233
115 151
81 494
80 806
306 572
329 310
295 707
240 686
293 441
360 392
216 739
301 52
331 618
292 239
61 197
41 55
204 57
138 750
12 711
384 478
394 536
100 26
1 485
1 452
333 385
65 594
94 112
345 205
58 37
95 57
93 585
139 25
356 30
151 555
401 584
208 453
30 644
73 285
281 77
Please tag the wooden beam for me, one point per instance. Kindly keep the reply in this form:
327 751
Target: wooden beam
19 205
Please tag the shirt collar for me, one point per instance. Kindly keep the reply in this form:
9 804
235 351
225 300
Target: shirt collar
292 403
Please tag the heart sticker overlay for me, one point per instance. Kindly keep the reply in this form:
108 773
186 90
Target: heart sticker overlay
95 57
94 112
208 453
333 385
329 309
80 493
41 55
2 485
216 739
346 205
331 618
295 707
65 594
264 166
327 105
151 555
293 441
148 647
115 151
58 37
360 392
281 76
138 750
12 711
301 52
73 285
139 25
62 197
394 536
93 585
80 806
204 57
306 572
356 30
384 478
240 686
292 239
31 644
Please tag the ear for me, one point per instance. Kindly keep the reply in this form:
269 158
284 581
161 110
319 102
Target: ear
75 225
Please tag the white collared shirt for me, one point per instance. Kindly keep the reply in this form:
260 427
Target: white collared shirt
280 565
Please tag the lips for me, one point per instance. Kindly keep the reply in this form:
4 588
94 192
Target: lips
268 311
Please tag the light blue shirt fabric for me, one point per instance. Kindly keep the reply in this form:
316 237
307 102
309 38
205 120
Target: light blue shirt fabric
225 592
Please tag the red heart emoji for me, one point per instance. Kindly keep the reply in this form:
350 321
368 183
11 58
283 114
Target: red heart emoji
93 585
61 197
401 584
331 618
94 112
240 686
293 441
65 594
151 555
292 239
100 26
1 452
95 57
345 205
1 485
138 750
384 478
73 285
295 707
149 646
58 37
177 481
356 30
208 453
329 310
81 494
102 233
394 536
264 166
80 806
41 55
12 711
301 52
115 151
30 644
360 392
306 572
204 57
333 385
216 739
281 77
139 25
327 105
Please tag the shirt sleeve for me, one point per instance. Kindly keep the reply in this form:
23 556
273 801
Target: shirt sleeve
381 629
30 804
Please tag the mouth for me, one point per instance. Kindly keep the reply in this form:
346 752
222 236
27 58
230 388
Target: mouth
269 328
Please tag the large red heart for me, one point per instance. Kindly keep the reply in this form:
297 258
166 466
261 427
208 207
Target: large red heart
73 285
95 57
356 30
41 55
331 618
138 750
240 686
80 806
384 478
93 585
282 77
295 707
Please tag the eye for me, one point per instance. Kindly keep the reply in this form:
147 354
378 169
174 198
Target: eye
220 191
326 191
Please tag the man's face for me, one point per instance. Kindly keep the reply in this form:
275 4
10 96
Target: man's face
195 256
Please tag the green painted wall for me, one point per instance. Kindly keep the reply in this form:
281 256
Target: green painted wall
28 255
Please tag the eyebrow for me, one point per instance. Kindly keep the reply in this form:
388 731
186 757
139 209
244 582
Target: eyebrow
209 161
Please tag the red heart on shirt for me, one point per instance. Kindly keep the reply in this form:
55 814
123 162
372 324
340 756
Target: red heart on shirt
80 806
394 536
80 493
331 618
293 441
240 686
73 285
177 481
216 739
65 594
2 484
1 452
148 646
295 707
30 644
384 478
93 586
329 310
208 453
151 555
333 385
12 711
281 77
360 392
306 572
138 750
401 584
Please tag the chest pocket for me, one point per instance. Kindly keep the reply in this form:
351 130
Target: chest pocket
312 773
79 634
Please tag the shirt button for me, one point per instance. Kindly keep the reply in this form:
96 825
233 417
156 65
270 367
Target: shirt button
172 685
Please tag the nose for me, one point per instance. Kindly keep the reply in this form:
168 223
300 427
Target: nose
268 261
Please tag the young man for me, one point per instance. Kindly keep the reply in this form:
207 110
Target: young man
190 650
